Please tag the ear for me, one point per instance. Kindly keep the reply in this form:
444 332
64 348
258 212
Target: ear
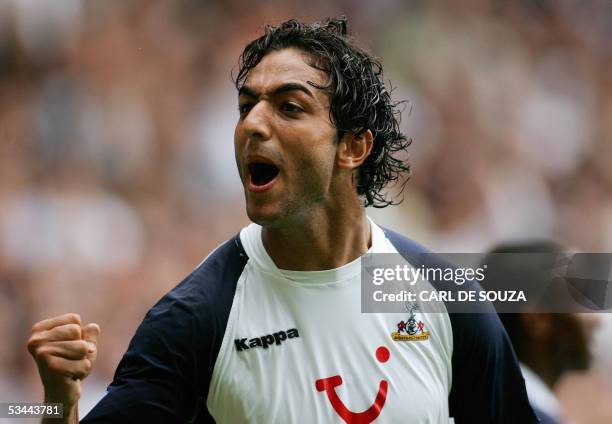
353 149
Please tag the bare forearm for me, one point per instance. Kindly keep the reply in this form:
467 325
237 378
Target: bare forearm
71 416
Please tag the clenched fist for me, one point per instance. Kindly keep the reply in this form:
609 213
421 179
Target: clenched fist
65 352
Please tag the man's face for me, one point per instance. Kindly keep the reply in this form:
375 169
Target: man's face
284 141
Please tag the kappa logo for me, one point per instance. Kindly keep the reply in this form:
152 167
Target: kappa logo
267 340
410 330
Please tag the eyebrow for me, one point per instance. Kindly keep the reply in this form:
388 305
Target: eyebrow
285 88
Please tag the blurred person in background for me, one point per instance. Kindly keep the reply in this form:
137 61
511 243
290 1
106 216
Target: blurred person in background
253 333
548 345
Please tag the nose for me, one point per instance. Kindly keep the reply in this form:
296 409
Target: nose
256 124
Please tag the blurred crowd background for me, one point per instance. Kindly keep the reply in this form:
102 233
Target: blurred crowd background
117 173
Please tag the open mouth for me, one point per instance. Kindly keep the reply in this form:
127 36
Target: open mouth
262 173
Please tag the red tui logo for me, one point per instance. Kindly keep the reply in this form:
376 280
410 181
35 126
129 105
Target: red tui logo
329 385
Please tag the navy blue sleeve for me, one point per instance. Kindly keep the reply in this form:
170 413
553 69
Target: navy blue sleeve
165 374
544 417
487 384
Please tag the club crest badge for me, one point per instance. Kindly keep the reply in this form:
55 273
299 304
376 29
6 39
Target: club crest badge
413 329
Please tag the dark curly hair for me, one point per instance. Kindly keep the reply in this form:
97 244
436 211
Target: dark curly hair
358 96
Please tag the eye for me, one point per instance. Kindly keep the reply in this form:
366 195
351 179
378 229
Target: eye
290 107
244 108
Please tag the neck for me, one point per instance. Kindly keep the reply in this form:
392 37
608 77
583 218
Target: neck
324 240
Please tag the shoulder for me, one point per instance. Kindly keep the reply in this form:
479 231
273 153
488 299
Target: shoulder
481 323
487 385
216 276
165 373
403 244
202 300
205 296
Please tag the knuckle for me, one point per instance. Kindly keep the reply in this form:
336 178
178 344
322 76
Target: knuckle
73 331
53 365
32 345
43 351
36 347
81 347
74 317
83 369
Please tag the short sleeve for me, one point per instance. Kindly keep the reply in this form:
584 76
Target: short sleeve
159 378
165 374
487 384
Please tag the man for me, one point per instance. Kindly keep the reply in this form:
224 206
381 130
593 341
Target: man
268 328
547 345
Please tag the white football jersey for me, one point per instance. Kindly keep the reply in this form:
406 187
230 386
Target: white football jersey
297 348
241 341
